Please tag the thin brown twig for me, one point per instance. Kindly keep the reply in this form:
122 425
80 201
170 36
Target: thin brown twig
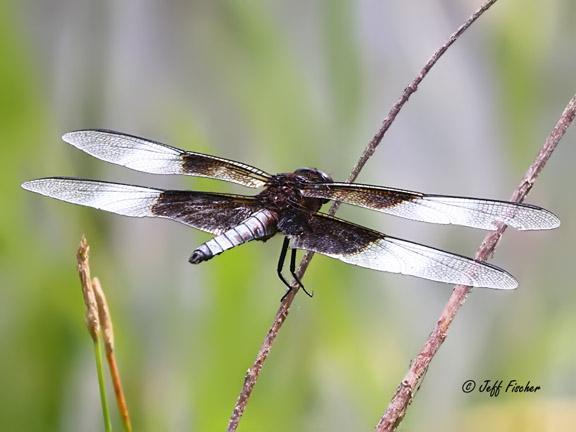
408 91
413 378
91 316
108 338
253 373
99 324
92 320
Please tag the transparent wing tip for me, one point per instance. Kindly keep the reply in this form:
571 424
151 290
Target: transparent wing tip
507 282
549 220
54 187
69 136
534 218
76 138
39 186
496 278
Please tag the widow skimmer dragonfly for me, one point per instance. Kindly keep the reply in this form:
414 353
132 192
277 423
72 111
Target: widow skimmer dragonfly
289 204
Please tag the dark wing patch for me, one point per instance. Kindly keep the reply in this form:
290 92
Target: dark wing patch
153 157
363 247
471 212
211 212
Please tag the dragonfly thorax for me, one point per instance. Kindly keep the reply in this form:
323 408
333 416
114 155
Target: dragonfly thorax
283 192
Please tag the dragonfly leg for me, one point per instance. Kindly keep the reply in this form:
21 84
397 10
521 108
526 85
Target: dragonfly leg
293 273
281 266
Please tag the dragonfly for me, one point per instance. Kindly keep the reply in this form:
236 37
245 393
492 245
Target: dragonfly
289 204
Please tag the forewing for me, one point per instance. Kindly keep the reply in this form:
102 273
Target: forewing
211 212
153 157
363 247
471 212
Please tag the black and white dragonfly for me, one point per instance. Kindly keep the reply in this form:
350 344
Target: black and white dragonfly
289 204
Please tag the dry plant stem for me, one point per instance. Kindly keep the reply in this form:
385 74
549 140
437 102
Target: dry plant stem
413 378
253 373
103 315
408 91
92 319
108 336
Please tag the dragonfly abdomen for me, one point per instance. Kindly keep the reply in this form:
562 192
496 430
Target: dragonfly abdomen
261 224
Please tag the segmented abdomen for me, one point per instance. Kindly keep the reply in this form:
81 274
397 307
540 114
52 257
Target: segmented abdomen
260 225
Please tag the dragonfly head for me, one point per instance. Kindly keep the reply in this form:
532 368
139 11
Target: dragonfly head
313 175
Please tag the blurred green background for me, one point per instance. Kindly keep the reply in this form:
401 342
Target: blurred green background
282 85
